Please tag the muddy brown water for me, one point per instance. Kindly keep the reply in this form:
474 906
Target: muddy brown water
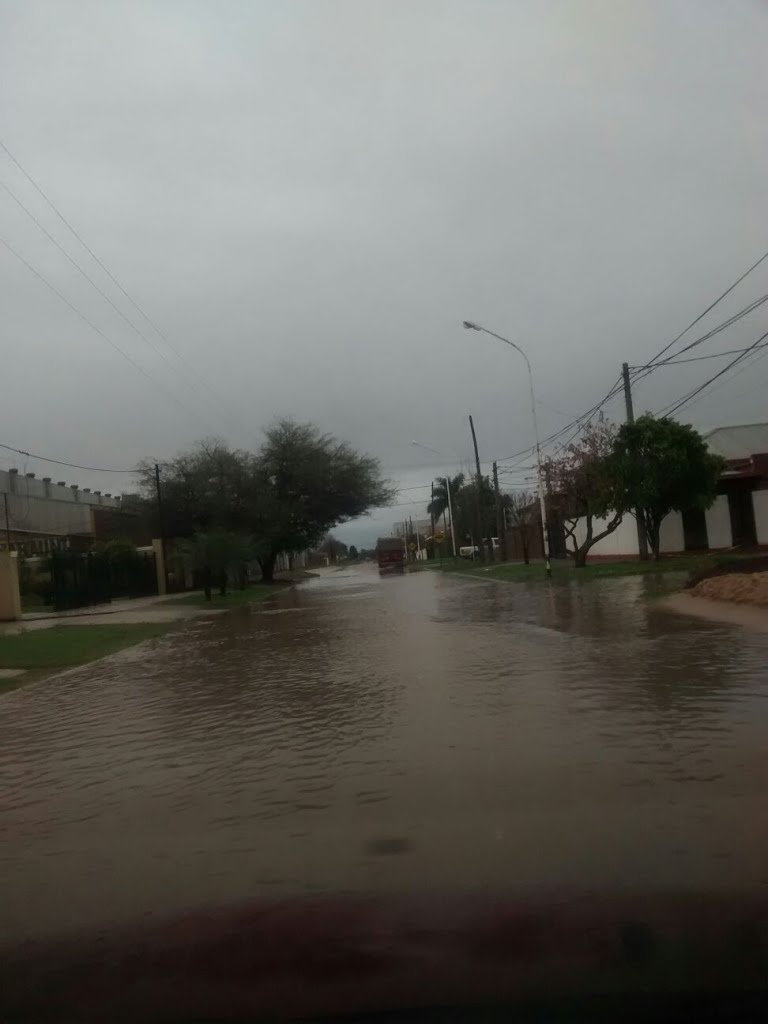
404 735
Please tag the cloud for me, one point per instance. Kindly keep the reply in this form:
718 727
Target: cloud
309 198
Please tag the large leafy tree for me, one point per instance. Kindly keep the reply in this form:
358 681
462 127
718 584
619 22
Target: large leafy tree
283 498
584 482
212 486
208 495
307 483
663 466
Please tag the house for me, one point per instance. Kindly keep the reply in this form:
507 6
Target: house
743 489
738 518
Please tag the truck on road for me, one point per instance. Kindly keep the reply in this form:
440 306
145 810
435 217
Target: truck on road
390 554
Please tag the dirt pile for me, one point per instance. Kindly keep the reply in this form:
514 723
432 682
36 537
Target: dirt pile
741 588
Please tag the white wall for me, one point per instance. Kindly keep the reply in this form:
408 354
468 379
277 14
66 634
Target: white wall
40 515
719 523
623 540
32 487
671 538
760 505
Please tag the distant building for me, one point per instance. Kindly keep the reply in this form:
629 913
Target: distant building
38 515
421 526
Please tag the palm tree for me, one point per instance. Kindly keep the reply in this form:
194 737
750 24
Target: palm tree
437 507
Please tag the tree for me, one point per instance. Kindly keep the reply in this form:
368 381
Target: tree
523 513
584 480
283 498
214 554
663 466
209 487
465 507
353 553
307 483
333 548
439 503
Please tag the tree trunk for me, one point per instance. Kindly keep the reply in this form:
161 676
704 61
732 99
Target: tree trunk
653 540
207 583
267 565
580 553
223 585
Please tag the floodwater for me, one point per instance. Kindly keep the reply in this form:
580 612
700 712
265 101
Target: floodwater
405 735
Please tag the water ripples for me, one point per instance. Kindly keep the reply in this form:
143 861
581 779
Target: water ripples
490 735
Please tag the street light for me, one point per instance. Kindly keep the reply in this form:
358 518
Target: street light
418 444
470 326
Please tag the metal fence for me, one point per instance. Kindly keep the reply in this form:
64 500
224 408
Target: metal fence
80 579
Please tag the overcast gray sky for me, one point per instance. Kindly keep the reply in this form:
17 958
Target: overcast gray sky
309 197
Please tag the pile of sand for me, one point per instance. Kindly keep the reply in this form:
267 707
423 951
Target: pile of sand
741 588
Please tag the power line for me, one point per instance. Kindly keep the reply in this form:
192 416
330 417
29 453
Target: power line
90 281
678 404
155 348
720 327
651 367
652 363
698 359
59 462
709 308
201 380
93 326
578 423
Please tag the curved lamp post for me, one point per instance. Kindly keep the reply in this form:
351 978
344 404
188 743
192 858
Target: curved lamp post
470 326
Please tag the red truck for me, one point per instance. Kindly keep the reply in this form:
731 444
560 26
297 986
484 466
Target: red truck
390 553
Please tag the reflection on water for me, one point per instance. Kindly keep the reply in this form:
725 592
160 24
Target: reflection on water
400 735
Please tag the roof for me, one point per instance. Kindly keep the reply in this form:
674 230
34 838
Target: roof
739 442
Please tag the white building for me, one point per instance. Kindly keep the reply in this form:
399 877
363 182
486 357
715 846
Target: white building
738 517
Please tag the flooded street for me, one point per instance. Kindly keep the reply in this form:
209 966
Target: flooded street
400 735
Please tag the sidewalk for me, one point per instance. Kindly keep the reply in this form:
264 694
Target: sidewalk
135 610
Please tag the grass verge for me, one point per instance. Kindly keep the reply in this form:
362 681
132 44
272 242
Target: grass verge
565 571
233 598
67 646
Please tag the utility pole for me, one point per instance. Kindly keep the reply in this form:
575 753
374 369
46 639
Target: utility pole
501 526
478 496
450 515
547 468
432 517
7 523
161 523
642 540
418 542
